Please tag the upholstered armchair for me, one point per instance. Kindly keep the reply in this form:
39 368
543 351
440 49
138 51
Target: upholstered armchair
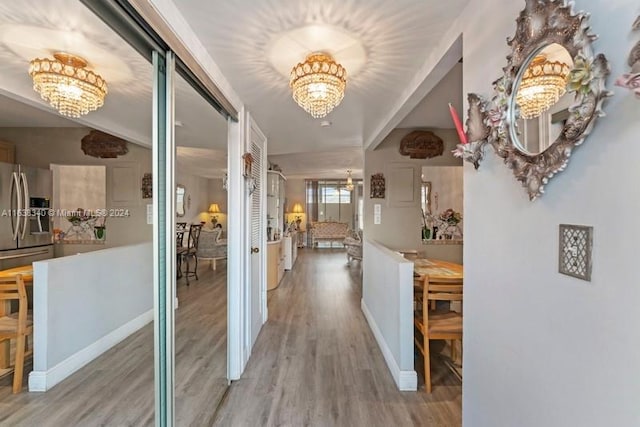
211 247
353 243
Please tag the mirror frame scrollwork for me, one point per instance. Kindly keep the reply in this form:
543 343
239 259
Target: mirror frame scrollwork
540 23
631 80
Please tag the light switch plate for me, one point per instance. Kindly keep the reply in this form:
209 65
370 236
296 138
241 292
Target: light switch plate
575 249
377 213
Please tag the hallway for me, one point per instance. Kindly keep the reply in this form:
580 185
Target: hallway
316 361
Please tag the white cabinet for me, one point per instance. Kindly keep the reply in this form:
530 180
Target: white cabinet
290 250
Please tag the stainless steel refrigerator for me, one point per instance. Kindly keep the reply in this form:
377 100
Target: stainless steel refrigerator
25 220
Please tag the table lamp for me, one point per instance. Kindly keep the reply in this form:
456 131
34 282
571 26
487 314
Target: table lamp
297 209
214 209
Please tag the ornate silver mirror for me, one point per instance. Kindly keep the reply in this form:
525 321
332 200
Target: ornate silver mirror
548 99
550 95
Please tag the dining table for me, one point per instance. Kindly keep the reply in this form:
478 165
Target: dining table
5 307
436 269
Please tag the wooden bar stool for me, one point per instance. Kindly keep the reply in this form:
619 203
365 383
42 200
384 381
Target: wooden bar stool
16 326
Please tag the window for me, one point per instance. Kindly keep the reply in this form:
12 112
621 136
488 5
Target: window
329 200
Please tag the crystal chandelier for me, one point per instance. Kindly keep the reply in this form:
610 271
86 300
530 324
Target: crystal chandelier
67 85
349 185
542 85
318 84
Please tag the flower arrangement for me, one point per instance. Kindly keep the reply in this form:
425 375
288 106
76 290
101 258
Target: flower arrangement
451 217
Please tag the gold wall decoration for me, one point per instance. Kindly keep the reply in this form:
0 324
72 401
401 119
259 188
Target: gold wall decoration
421 144
103 146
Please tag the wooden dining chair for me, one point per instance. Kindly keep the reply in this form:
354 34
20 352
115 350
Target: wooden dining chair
437 324
16 326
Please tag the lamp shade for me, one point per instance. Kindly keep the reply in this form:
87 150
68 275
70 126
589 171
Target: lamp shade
214 208
297 208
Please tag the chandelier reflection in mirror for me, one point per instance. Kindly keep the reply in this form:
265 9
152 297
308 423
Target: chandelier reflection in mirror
542 85
318 84
67 85
349 185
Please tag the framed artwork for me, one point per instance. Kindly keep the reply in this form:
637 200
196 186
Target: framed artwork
377 189
147 186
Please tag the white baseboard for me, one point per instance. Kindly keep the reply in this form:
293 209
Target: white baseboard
45 380
405 380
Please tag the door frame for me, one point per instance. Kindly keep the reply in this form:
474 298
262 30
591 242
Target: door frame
237 249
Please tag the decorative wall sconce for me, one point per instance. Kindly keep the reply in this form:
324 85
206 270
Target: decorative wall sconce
248 163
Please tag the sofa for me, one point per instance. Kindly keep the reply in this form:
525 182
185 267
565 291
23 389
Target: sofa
211 247
328 231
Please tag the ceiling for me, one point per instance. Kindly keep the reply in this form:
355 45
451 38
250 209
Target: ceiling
397 37
384 42
433 110
33 28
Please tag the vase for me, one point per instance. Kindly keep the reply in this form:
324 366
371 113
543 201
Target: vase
426 233
99 232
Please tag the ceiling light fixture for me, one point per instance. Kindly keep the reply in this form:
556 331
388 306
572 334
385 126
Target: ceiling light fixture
318 84
349 185
67 85
542 85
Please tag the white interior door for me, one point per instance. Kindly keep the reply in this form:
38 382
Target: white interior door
258 291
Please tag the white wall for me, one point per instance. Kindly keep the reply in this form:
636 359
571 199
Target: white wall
387 298
80 312
196 196
39 147
401 227
541 348
446 188
217 194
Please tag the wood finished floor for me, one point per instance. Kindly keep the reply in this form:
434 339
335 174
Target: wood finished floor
316 362
117 388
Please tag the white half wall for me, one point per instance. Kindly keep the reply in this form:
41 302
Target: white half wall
387 303
541 348
85 304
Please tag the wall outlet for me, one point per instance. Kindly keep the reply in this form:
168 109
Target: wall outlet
575 249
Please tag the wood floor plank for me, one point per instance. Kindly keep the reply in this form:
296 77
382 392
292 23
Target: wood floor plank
316 362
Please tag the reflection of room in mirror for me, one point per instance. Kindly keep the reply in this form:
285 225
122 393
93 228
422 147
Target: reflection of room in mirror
544 78
445 183
537 134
